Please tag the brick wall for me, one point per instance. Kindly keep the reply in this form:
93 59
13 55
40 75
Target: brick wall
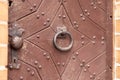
3 38
117 38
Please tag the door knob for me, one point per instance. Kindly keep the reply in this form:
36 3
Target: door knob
16 42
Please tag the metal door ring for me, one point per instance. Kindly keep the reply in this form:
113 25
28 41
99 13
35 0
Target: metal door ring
63 48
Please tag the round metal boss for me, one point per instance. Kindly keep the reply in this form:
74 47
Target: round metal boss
59 47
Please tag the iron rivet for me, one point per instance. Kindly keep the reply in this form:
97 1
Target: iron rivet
33 73
45 23
64 0
92 3
36 62
63 64
82 42
40 67
64 16
82 37
85 70
48 57
28 69
58 64
38 36
88 66
81 15
31 9
99 2
94 37
21 77
98 78
83 61
102 42
83 18
48 20
102 38
73 57
38 16
81 65
76 53
59 16
23 0
44 54
94 74
43 13
91 76
93 42
34 5
74 22
85 10
76 26
95 7
88 13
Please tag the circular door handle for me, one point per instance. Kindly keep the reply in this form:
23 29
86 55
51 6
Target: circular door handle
59 47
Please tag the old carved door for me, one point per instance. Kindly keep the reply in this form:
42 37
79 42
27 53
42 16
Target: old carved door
62 39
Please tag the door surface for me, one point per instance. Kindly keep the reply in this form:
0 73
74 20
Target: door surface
88 24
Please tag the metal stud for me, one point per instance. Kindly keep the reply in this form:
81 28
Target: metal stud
40 67
88 66
95 7
102 38
94 74
43 13
93 42
21 77
85 10
88 14
63 64
91 76
83 42
48 57
64 16
34 5
76 53
82 37
74 22
102 42
33 73
23 0
83 18
92 3
99 2
81 65
73 57
31 9
98 78
28 69
38 16
38 36
44 54
59 16
58 64
45 24
76 26
48 20
36 62
85 70
94 37
83 61
81 15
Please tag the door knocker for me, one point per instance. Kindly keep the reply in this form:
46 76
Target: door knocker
60 31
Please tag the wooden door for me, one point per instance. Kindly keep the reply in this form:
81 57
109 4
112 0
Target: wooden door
89 24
